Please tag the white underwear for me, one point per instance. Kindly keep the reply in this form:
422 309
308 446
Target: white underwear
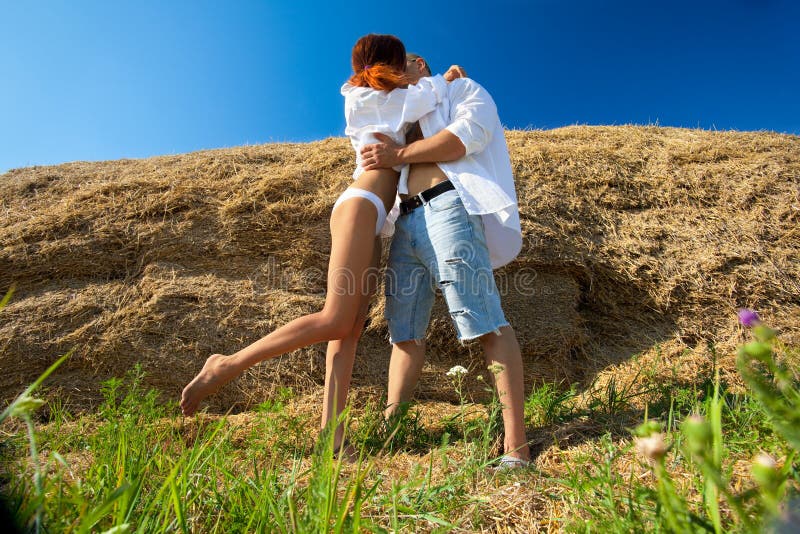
352 192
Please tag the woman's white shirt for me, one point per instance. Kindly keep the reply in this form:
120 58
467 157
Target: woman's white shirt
368 111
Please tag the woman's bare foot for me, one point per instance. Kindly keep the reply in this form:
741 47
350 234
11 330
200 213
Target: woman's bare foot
211 377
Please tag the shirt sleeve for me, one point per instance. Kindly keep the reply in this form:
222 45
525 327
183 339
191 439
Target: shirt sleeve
392 114
420 99
473 115
368 111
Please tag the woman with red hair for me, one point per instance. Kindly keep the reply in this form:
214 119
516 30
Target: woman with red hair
377 99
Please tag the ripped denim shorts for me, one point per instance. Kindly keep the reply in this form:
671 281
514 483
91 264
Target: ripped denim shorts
439 245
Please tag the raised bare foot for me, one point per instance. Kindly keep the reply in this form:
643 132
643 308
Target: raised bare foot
211 377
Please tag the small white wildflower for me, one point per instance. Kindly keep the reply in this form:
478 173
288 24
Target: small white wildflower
456 371
652 447
479 378
765 460
765 471
496 368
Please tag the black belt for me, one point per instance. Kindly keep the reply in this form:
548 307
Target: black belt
407 206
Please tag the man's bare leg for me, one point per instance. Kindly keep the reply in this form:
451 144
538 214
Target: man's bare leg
504 350
405 368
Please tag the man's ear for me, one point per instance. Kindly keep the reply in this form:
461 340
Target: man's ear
422 66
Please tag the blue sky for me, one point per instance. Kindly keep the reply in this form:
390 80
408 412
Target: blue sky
91 81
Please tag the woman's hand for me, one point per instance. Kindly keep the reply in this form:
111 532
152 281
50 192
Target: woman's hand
455 71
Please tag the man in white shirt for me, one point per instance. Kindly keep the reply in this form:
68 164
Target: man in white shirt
459 220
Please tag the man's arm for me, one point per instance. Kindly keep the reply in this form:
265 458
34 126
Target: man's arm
473 115
443 146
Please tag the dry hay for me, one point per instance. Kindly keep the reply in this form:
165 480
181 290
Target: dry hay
637 240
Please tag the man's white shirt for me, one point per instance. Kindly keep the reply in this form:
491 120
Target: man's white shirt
483 177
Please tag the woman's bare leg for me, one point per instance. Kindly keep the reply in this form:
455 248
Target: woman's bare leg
352 239
341 355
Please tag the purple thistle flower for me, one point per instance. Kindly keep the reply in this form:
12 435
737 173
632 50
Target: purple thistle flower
748 317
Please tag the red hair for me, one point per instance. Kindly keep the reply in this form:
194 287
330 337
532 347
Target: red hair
379 61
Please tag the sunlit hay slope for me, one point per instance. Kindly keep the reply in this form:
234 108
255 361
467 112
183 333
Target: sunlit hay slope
638 241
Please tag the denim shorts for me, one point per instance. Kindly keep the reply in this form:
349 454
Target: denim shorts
439 245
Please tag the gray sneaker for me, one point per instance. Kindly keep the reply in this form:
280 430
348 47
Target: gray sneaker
511 462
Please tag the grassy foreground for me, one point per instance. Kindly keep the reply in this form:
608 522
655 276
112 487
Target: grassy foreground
701 458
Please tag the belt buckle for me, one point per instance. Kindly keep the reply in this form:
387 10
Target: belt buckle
420 199
434 191
407 206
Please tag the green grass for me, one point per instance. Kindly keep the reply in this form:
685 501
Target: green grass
134 465
695 486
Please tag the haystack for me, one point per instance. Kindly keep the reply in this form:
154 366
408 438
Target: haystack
640 244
